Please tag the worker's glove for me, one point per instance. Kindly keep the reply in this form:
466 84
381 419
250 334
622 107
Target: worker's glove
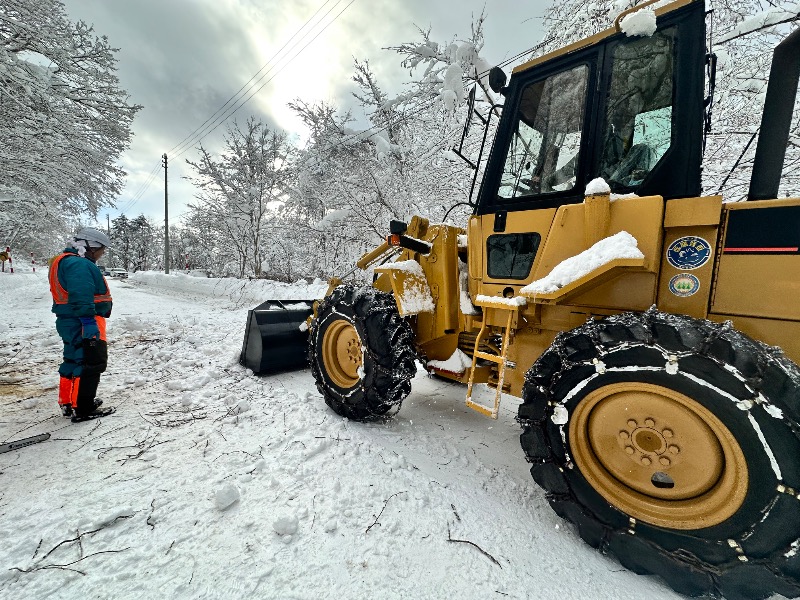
90 330
95 355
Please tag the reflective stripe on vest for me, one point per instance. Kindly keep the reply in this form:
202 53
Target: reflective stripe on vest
60 295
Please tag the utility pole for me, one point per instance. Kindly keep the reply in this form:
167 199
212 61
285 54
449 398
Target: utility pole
166 217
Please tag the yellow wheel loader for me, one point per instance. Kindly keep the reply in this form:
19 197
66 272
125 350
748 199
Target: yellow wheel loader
652 333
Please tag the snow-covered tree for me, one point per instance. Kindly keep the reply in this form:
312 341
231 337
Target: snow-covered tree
351 182
143 236
198 238
64 120
137 244
121 253
42 232
240 190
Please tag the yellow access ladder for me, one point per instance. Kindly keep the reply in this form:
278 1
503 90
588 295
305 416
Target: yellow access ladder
500 359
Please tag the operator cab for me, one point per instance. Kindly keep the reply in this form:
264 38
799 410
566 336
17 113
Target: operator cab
627 109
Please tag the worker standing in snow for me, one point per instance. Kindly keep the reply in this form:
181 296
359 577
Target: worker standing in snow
82 303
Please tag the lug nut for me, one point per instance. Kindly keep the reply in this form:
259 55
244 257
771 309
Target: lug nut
649 423
646 461
632 424
629 449
674 449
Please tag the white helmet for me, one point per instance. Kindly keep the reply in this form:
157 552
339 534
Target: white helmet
94 238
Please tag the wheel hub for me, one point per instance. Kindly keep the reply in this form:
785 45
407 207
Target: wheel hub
341 353
658 455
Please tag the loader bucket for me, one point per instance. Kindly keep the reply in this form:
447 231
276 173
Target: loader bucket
273 339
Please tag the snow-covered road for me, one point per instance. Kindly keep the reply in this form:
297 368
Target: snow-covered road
210 482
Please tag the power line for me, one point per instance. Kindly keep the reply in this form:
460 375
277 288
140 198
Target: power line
428 103
142 189
231 111
400 119
233 97
405 117
200 132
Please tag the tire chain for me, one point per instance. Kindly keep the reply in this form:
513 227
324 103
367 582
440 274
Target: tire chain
641 328
383 306
766 356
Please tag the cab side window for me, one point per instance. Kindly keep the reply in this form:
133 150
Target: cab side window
545 145
511 255
638 120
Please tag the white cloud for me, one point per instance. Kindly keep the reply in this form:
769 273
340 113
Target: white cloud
183 59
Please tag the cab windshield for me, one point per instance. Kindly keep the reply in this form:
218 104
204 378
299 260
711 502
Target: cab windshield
633 131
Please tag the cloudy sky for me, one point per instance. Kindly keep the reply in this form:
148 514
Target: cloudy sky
184 59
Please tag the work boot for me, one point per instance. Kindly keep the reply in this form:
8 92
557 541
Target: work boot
66 410
96 413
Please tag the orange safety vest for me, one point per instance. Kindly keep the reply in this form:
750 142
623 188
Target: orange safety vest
60 295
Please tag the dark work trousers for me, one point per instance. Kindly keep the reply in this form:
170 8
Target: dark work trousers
83 362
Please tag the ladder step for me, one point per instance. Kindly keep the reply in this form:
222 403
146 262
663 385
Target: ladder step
488 412
492 357
492 383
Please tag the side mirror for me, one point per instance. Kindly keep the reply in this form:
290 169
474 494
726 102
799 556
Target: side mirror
497 79
397 227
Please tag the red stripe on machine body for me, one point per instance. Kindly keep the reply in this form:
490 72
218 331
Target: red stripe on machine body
761 249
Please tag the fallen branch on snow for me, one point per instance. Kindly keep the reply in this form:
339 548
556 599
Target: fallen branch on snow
375 522
484 552
66 566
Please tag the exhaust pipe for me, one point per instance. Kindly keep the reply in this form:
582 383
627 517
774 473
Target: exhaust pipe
776 120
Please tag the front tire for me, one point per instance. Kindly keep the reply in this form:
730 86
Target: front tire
361 353
672 443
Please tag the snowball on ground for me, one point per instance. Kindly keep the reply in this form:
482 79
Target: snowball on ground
620 245
286 525
511 302
642 22
597 186
457 363
226 496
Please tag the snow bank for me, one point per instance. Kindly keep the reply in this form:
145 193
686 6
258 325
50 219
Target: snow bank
620 245
245 291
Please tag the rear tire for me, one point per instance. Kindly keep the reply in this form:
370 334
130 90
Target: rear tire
672 443
361 353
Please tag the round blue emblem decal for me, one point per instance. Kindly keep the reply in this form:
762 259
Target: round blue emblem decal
684 285
688 253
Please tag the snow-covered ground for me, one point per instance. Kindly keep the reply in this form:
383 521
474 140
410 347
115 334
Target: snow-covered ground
210 482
